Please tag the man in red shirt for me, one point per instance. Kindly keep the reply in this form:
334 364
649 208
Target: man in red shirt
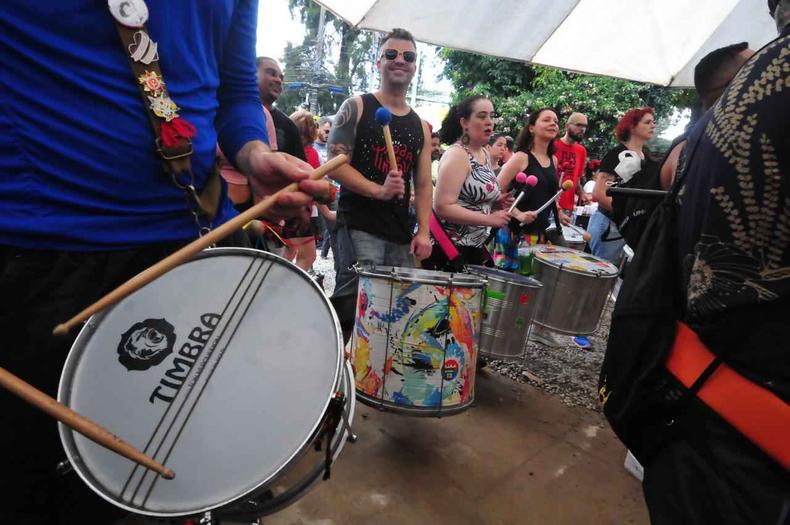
571 160
571 157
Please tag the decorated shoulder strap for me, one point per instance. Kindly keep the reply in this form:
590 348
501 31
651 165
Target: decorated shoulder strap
172 133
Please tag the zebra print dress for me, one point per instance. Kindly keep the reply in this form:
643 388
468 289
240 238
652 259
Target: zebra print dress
479 193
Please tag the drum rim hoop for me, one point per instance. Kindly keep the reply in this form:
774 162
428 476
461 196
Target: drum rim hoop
456 280
67 435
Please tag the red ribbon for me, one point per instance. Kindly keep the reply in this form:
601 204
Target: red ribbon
176 132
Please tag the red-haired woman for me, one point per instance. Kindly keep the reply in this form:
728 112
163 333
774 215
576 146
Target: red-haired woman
624 164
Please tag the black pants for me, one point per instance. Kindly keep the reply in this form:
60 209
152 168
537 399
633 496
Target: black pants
710 474
38 290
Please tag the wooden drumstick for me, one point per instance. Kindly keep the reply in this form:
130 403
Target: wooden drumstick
191 249
384 117
78 423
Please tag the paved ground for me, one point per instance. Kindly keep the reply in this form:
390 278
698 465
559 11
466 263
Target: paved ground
520 456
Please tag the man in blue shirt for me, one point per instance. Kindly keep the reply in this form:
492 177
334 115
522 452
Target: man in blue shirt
86 202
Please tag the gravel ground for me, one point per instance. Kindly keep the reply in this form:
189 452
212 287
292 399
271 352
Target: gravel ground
571 373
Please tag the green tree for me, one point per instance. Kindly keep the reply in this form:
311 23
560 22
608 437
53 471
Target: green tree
516 88
349 73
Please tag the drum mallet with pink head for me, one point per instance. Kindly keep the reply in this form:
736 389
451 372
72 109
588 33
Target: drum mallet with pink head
522 178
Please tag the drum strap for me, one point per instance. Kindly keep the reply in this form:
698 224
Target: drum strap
758 414
442 239
172 133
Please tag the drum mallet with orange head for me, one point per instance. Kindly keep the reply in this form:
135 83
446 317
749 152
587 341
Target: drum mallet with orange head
567 185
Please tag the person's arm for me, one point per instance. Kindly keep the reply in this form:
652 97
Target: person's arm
239 118
341 141
670 165
269 172
324 210
423 194
518 162
453 171
606 174
240 123
599 191
579 185
270 129
564 219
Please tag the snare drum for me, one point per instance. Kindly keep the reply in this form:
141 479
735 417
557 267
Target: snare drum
212 371
576 286
507 315
415 340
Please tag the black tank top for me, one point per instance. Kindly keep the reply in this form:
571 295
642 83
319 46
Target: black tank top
386 219
536 196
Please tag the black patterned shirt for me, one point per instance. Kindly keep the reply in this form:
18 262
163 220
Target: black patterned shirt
734 238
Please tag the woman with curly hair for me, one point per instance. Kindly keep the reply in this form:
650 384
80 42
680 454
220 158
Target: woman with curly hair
467 197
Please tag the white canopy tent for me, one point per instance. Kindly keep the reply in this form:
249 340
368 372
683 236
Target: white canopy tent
656 41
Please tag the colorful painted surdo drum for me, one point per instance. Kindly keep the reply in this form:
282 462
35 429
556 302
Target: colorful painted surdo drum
576 286
211 371
414 346
508 310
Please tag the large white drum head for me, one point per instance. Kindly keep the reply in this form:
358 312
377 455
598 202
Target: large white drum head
221 369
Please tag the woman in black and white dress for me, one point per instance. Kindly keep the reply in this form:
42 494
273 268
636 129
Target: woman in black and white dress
467 200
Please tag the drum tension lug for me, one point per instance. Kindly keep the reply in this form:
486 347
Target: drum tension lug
64 467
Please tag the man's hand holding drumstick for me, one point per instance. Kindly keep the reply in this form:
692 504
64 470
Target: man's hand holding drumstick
280 200
270 171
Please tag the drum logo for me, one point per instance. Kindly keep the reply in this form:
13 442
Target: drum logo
146 344
450 370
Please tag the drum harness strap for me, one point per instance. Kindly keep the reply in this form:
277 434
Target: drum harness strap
757 413
172 133
334 416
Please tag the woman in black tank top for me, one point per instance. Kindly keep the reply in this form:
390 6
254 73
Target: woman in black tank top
534 156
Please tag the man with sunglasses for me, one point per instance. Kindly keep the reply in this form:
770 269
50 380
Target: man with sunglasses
373 225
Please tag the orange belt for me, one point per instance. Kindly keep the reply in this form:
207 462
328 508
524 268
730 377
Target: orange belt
757 413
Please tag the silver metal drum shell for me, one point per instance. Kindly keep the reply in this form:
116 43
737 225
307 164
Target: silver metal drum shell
509 308
242 398
572 301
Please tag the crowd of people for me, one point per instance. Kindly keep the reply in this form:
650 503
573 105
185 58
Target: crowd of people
77 222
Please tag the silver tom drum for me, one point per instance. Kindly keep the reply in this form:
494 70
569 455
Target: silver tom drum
576 286
510 301
227 369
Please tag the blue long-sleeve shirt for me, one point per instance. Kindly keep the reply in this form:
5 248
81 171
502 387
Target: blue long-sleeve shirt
78 166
